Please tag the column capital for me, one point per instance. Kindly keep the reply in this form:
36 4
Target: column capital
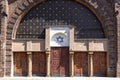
90 52
71 52
29 52
47 52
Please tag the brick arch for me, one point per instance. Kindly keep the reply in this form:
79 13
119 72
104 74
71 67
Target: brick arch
26 5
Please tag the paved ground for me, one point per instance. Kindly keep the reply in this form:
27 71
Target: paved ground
59 78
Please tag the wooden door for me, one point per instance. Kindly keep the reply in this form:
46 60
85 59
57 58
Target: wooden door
81 64
64 62
38 64
20 64
59 61
99 64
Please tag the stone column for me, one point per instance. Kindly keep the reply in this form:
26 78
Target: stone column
29 63
90 63
47 63
71 63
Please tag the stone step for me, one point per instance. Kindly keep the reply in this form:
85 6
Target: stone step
59 78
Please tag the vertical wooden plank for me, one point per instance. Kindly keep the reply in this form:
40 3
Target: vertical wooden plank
64 62
81 64
20 64
55 61
39 64
59 61
99 64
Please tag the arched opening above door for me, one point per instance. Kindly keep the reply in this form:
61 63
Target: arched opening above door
86 24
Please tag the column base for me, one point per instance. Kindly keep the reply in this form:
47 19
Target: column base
47 75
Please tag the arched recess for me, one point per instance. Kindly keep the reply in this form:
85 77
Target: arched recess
23 9
68 12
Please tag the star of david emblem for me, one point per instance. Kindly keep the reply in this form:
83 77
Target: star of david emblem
59 39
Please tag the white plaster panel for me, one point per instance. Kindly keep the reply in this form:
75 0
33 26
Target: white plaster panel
89 45
38 45
98 46
29 46
34 45
18 46
80 46
55 33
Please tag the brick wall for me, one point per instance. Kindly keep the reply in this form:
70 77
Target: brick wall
3 26
117 11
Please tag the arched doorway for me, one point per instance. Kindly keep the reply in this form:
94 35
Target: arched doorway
32 32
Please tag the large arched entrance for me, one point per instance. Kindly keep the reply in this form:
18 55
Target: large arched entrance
60 38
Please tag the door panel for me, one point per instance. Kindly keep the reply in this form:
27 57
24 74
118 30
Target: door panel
38 64
20 64
59 61
55 61
99 64
64 62
81 64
